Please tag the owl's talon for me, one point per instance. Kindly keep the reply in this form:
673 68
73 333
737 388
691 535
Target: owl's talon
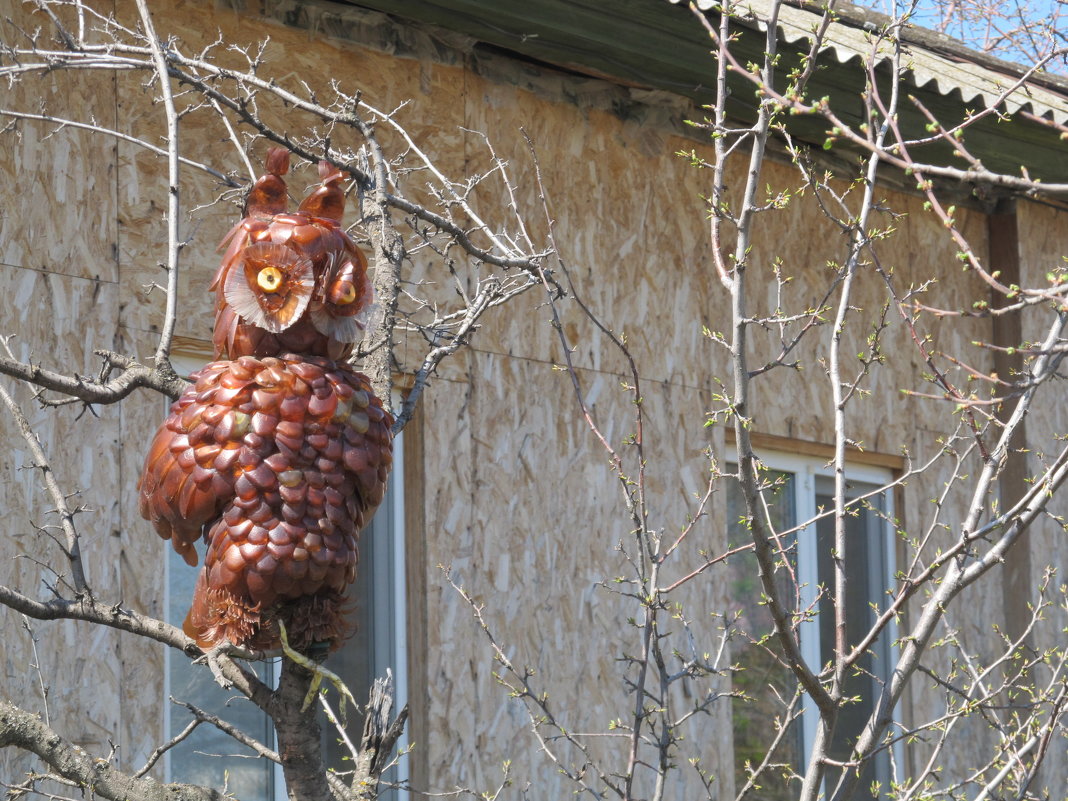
211 657
318 673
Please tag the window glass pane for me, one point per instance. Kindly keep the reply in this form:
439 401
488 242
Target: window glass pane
768 687
372 648
866 584
197 758
354 661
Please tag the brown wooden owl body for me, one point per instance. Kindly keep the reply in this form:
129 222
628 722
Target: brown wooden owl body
277 455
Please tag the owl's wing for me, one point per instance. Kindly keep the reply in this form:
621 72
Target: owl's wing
188 473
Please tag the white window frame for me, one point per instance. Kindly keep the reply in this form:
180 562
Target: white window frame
390 649
389 592
805 470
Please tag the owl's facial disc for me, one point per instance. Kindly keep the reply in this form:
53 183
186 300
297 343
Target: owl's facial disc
270 286
348 305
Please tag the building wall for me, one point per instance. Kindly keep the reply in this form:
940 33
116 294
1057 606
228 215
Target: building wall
1042 252
515 492
61 288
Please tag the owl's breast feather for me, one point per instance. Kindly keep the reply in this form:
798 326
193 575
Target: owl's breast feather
283 460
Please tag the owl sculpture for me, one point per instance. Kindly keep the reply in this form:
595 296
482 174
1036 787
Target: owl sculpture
278 453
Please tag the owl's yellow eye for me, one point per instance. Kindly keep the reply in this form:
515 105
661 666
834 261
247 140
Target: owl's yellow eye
343 293
269 279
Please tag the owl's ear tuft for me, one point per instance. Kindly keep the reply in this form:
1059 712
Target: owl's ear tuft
277 161
268 195
327 201
270 286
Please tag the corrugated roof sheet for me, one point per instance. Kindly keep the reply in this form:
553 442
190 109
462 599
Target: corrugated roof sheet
931 60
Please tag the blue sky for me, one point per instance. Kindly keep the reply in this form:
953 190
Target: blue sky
1031 23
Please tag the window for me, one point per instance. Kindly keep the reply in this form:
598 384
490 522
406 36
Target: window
212 758
798 489
230 764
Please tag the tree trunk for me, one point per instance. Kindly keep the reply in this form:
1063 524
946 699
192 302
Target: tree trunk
299 737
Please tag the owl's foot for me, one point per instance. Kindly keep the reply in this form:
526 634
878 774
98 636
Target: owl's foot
211 658
317 670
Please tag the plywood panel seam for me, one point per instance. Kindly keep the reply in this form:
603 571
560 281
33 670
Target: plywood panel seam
595 370
60 274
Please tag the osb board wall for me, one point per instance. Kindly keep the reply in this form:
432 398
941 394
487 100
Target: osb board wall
517 497
60 291
53 315
1042 234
